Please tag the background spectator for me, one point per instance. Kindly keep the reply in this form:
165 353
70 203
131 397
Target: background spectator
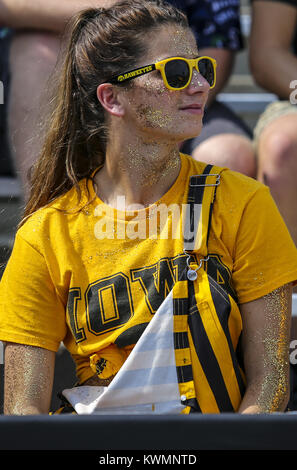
273 59
35 45
225 138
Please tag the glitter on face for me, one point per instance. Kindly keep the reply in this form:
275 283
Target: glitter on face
274 387
142 156
155 118
181 40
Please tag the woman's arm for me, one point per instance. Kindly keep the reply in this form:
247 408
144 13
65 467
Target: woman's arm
272 62
40 15
266 340
28 379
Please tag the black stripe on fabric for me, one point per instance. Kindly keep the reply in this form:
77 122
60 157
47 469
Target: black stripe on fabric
239 353
184 374
193 403
210 214
221 293
196 192
223 309
180 306
130 336
207 357
182 274
214 265
207 169
65 410
181 340
195 195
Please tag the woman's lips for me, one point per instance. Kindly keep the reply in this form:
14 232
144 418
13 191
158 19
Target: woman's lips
193 108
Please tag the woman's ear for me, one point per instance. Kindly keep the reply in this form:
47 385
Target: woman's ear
108 97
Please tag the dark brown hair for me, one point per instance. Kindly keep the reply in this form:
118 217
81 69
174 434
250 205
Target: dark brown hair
99 43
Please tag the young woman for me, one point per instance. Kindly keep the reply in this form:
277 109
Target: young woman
95 258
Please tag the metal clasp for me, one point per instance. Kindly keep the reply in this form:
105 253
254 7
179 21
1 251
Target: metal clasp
192 273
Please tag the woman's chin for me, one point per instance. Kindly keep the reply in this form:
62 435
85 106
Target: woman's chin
190 135
175 136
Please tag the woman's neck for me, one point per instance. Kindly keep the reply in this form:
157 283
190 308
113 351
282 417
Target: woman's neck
141 172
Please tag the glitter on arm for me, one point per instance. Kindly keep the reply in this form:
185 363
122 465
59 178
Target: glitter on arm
266 342
28 379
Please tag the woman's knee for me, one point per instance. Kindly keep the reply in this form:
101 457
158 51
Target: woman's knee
230 150
277 150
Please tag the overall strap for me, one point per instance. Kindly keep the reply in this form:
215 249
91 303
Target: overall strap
197 217
196 231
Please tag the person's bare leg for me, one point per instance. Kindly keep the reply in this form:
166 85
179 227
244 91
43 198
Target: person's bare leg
277 157
230 150
33 56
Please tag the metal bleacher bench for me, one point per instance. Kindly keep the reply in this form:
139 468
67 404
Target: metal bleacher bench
242 103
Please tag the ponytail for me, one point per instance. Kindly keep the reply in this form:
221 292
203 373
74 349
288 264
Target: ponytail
100 43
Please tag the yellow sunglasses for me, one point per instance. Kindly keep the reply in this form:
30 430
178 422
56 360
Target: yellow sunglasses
176 72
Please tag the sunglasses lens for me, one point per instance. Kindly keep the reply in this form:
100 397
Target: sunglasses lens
177 73
206 69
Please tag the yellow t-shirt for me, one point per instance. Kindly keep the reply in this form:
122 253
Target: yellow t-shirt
93 277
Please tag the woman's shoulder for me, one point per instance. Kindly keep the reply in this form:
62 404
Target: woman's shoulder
55 214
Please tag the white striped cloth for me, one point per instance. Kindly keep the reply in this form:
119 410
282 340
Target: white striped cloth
146 383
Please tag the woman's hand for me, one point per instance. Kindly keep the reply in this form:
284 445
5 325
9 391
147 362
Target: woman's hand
28 379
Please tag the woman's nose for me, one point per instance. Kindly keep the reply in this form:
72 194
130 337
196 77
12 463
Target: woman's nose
198 83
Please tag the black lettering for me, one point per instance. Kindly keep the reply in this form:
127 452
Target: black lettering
73 297
109 304
156 281
179 264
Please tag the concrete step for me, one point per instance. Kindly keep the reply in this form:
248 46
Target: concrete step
9 187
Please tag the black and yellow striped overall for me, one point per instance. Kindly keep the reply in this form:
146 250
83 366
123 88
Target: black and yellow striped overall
206 317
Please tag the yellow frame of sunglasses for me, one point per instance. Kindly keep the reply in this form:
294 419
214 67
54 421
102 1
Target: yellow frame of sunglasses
192 63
